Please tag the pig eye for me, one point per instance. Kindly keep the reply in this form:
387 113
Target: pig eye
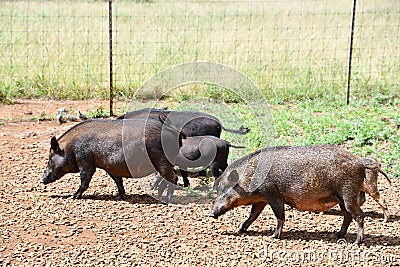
224 189
55 160
52 160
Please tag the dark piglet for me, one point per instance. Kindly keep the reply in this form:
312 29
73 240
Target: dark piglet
202 152
192 123
310 178
101 144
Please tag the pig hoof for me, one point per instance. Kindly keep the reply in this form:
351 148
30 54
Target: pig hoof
275 236
386 218
119 198
339 235
77 194
154 186
212 215
166 200
240 232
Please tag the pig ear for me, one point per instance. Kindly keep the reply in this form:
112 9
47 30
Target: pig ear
233 177
54 144
183 135
162 117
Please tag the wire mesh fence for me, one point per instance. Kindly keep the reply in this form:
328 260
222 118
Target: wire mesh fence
290 49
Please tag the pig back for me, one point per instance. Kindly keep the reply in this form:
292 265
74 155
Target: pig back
298 170
314 166
311 177
126 148
192 123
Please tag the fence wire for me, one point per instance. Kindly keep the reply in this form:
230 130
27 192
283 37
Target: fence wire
290 49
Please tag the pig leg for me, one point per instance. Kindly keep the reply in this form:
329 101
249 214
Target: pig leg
156 182
162 186
256 210
346 222
169 175
170 192
278 208
214 169
86 176
352 207
185 178
120 186
362 198
376 197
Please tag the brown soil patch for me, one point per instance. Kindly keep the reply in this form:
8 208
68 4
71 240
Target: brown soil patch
40 226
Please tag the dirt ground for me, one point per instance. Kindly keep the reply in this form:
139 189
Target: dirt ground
40 226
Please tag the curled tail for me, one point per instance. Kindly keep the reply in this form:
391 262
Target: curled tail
386 176
242 130
230 145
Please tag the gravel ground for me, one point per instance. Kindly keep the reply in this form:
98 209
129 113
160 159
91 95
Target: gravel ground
40 226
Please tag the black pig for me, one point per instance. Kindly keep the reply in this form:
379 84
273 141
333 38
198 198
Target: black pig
192 123
202 151
101 144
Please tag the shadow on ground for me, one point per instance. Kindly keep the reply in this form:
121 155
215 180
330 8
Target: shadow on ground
371 214
133 199
369 240
142 199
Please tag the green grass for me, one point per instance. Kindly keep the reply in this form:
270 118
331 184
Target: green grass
367 128
42 116
292 51
99 112
296 53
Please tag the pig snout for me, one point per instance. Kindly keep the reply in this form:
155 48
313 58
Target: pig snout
220 208
48 177
213 215
217 211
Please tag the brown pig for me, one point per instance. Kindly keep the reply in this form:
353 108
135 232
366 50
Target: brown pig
309 178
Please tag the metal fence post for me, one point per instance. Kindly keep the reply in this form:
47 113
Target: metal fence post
111 56
353 17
